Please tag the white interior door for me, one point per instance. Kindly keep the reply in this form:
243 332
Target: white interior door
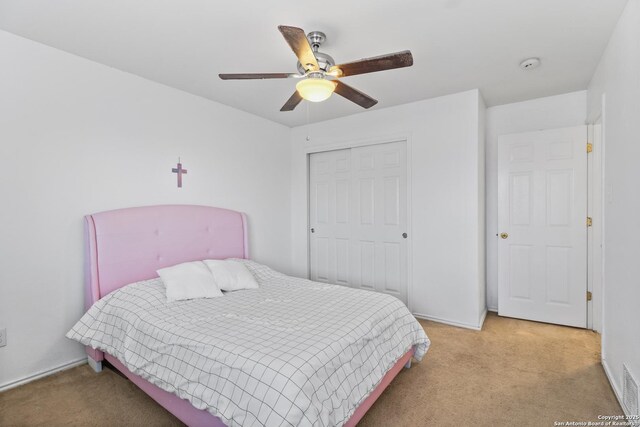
542 214
358 218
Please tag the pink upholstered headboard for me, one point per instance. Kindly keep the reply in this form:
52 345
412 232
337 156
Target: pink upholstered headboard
128 245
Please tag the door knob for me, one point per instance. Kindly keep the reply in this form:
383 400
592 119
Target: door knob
504 235
313 230
404 235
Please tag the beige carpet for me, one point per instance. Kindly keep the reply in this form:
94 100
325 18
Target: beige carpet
513 372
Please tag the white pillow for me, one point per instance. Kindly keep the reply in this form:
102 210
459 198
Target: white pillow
231 275
189 280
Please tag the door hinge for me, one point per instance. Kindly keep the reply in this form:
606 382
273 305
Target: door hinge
589 147
589 221
589 296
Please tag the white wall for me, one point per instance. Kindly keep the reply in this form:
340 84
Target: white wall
77 137
542 113
618 78
445 146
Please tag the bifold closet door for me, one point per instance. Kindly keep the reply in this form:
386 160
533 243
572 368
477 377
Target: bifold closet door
358 218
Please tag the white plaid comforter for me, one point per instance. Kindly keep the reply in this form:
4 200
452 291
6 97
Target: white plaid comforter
294 352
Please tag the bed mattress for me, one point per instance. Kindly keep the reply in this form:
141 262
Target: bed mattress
293 352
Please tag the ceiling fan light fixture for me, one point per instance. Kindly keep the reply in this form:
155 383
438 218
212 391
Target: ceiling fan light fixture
315 89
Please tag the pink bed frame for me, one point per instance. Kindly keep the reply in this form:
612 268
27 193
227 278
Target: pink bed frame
129 245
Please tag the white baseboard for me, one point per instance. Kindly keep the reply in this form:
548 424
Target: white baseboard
453 322
494 309
614 386
42 374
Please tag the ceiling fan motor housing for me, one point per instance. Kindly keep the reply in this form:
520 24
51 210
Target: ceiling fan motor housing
316 38
324 62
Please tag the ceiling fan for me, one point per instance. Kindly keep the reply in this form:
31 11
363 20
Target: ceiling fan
319 74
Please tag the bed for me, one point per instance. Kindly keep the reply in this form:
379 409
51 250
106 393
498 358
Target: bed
125 247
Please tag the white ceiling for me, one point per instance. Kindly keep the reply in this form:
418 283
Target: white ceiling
456 44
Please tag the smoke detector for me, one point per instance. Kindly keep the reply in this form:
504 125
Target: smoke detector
530 63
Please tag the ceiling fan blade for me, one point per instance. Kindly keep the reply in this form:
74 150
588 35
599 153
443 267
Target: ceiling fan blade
370 65
299 43
292 102
354 95
249 76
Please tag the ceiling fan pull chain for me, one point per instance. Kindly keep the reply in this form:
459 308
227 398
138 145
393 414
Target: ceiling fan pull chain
308 137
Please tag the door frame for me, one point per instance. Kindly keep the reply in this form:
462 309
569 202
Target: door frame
406 138
595 233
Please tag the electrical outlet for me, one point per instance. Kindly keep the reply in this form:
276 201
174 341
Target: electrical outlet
3 337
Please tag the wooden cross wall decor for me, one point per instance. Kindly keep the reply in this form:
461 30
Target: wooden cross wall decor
179 170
